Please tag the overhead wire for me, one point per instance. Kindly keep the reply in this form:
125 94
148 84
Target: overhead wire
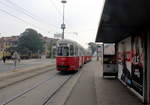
19 7
59 12
33 16
16 9
57 9
24 11
18 18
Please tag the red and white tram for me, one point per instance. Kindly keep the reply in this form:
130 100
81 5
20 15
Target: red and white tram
70 55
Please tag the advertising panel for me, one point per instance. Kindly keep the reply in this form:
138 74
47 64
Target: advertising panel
138 63
109 60
109 49
124 61
130 58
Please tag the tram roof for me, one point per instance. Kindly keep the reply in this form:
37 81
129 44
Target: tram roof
70 42
122 18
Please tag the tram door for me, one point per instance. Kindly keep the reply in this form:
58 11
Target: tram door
109 60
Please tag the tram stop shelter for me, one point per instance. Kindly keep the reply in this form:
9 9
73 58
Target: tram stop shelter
127 24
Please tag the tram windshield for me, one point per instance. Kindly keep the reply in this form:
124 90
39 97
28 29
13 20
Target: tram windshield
63 51
71 50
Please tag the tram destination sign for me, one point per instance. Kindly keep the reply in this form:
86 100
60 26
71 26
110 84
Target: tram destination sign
63 44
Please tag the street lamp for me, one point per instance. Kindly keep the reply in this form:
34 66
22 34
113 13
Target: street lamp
63 26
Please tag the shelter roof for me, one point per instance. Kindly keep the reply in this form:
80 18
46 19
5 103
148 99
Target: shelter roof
121 18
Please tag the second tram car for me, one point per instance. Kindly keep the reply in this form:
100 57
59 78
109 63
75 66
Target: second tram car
70 55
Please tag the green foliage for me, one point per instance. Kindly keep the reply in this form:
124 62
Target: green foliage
93 46
30 41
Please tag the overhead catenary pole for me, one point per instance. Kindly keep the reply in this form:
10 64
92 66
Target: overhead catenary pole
63 26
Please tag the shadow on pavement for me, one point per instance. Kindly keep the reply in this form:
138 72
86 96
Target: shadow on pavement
64 73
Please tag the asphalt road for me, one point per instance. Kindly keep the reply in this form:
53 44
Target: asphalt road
9 65
36 90
49 88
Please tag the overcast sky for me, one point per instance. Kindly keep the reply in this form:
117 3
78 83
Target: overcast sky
45 16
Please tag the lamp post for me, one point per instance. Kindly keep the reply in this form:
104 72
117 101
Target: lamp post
63 26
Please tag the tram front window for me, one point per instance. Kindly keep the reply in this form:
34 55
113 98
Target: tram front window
71 50
63 51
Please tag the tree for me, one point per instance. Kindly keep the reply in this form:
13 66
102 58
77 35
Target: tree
30 41
93 46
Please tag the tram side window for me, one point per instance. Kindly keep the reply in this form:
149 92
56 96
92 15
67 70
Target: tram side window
76 51
59 51
80 54
65 51
71 50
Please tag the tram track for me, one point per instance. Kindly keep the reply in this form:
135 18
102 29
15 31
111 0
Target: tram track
12 98
53 77
26 91
24 77
65 90
57 90
46 98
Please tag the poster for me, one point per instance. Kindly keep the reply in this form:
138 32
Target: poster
138 63
124 61
130 58
109 49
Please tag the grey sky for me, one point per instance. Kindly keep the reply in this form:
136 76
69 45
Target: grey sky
45 16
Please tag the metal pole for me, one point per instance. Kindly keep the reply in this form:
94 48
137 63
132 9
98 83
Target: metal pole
63 29
52 50
63 24
146 88
63 13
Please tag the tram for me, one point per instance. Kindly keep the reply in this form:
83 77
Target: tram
88 55
70 55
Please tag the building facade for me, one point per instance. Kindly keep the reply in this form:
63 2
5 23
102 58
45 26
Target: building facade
5 44
50 47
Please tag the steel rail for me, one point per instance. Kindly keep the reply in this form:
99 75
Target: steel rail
47 101
34 75
28 90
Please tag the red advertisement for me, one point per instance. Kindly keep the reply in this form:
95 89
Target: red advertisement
130 57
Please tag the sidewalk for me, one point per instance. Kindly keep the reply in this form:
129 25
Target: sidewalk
112 91
92 89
